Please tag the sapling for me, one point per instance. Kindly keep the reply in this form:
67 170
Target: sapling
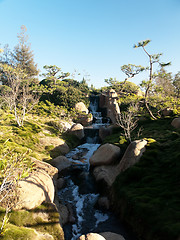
127 120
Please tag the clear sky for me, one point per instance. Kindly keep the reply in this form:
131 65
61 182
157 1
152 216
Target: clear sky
94 37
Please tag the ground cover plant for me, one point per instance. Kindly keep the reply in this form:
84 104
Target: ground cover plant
147 194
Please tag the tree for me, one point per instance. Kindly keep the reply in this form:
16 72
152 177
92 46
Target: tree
127 120
14 167
21 95
5 58
131 70
23 56
125 86
52 71
164 83
155 58
176 83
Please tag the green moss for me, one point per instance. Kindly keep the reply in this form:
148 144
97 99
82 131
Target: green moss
149 190
71 140
16 233
21 218
44 218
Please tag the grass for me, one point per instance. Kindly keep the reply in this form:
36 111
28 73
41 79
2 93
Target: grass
147 195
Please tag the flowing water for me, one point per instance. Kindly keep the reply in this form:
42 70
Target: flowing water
80 193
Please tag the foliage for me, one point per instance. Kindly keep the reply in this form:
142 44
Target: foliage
122 88
52 71
20 95
23 57
163 84
150 187
176 83
131 70
65 93
46 108
19 89
153 58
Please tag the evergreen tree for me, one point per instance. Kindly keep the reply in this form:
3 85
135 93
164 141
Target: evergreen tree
23 56
153 58
54 73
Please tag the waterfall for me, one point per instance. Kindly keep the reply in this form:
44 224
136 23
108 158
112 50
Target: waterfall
80 192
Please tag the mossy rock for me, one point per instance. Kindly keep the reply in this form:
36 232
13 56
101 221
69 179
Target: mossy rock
44 219
13 232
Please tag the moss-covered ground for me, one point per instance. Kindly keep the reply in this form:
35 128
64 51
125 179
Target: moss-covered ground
146 196
21 224
26 139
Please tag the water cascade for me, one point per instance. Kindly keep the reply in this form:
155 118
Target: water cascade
80 193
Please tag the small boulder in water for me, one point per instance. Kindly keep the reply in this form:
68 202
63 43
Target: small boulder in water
61 163
77 130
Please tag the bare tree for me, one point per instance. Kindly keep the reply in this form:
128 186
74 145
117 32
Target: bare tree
127 120
14 167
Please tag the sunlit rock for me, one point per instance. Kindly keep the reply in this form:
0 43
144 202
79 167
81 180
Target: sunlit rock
105 155
80 106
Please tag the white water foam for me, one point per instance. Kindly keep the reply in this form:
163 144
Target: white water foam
80 202
101 217
88 146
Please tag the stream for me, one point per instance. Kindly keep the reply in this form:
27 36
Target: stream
81 193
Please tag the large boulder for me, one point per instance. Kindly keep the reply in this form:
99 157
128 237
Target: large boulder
80 106
91 236
64 214
59 144
50 170
38 187
176 122
61 163
66 125
107 174
112 236
132 154
105 155
101 236
77 130
85 119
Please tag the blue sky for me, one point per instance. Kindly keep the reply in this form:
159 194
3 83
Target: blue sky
94 37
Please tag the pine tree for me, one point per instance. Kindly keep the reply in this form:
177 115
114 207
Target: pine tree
23 56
